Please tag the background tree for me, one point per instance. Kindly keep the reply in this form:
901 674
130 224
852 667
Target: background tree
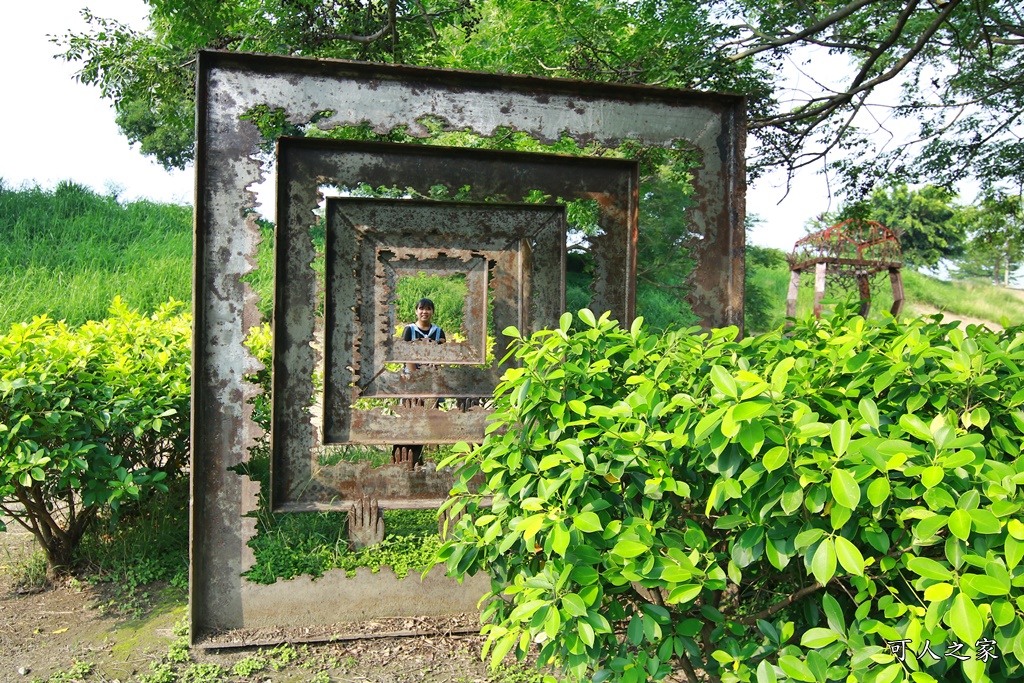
926 220
956 65
996 247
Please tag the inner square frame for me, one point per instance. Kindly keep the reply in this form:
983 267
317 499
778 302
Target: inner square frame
304 164
523 244
392 267
228 162
512 239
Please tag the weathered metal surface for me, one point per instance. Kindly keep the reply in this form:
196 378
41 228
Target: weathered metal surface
394 485
228 162
896 281
392 264
303 163
853 246
303 601
360 328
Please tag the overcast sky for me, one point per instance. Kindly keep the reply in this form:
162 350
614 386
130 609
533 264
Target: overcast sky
57 129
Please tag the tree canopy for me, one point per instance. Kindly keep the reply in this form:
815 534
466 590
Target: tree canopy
927 221
995 223
954 66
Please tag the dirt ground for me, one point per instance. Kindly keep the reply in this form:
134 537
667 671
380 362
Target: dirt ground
44 634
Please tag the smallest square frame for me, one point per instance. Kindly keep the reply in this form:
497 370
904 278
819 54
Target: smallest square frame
394 264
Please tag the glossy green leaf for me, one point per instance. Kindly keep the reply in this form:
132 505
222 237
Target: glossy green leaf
878 491
775 457
723 381
823 564
840 437
849 556
869 411
932 476
845 489
796 669
818 637
627 549
574 605
684 593
938 592
748 410
960 524
766 673
964 619
587 522
929 569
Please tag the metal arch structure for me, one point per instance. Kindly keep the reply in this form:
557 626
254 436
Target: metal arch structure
230 156
854 250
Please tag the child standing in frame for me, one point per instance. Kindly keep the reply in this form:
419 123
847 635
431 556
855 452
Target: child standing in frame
422 330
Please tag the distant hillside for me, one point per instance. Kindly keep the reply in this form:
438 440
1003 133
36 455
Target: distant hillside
68 252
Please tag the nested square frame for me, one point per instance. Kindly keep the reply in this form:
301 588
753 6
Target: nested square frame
394 264
524 246
305 164
229 150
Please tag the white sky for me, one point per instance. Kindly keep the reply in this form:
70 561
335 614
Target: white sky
57 129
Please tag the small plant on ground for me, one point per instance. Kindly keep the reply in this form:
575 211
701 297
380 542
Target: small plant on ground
29 574
160 672
203 673
146 543
249 666
78 672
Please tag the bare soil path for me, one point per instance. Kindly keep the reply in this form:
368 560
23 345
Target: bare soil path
48 632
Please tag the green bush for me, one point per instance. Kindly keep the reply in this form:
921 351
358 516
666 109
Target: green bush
781 507
90 416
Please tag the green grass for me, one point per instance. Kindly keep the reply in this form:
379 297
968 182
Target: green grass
965 297
146 543
69 252
297 543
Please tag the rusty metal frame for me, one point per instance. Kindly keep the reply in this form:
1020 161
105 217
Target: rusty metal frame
507 236
303 164
852 248
390 268
228 162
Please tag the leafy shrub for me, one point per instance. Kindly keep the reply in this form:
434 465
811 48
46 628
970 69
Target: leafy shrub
782 507
89 417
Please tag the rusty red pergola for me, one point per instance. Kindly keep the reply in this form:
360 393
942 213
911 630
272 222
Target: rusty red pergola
853 249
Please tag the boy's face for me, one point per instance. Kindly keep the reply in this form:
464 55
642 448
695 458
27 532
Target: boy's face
424 315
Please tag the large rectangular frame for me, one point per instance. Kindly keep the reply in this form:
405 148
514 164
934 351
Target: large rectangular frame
228 145
356 343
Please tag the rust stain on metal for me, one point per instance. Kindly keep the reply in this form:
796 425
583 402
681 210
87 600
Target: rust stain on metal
851 251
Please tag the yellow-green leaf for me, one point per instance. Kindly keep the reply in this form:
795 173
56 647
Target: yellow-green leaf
849 556
845 489
964 619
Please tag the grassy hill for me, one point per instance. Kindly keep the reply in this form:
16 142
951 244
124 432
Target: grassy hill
68 252
971 301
